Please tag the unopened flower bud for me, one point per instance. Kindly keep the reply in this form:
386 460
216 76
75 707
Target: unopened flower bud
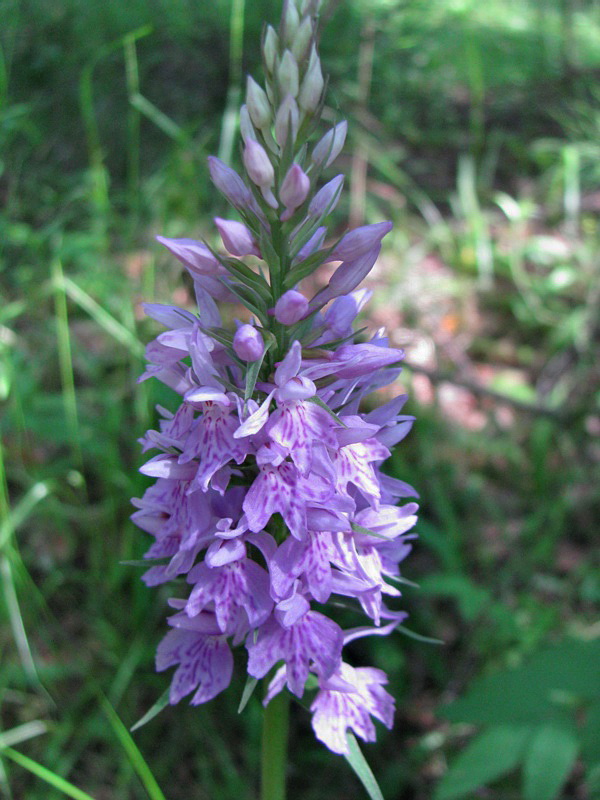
194 255
248 343
246 126
236 237
327 197
228 182
258 104
287 74
302 39
329 147
270 49
360 241
314 243
287 115
291 21
295 188
312 88
291 307
258 164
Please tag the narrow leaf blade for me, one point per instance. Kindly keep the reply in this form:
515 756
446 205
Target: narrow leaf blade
162 701
361 769
46 775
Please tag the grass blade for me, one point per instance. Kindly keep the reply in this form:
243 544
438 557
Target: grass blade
105 320
21 733
46 775
22 510
131 749
361 769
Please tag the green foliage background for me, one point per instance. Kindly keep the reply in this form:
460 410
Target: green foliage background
480 134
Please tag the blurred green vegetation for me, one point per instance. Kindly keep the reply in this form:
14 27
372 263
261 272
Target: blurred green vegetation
476 128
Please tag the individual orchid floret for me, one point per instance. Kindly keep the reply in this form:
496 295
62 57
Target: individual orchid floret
286 120
330 146
205 664
291 307
287 74
294 190
236 237
248 343
348 700
313 641
258 104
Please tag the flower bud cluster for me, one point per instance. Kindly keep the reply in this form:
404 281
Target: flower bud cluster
269 495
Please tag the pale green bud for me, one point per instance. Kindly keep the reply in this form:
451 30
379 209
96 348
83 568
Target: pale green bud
312 88
290 22
258 104
270 49
287 74
302 39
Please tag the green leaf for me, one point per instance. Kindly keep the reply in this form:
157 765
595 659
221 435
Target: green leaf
361 769
529 693
46 775
161 703
254 369
317 400
20 733
417 636
487 757
247 693
134 755
549 760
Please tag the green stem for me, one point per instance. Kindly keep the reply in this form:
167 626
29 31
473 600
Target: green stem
274 748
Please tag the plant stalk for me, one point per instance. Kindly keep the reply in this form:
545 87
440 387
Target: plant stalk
274 748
